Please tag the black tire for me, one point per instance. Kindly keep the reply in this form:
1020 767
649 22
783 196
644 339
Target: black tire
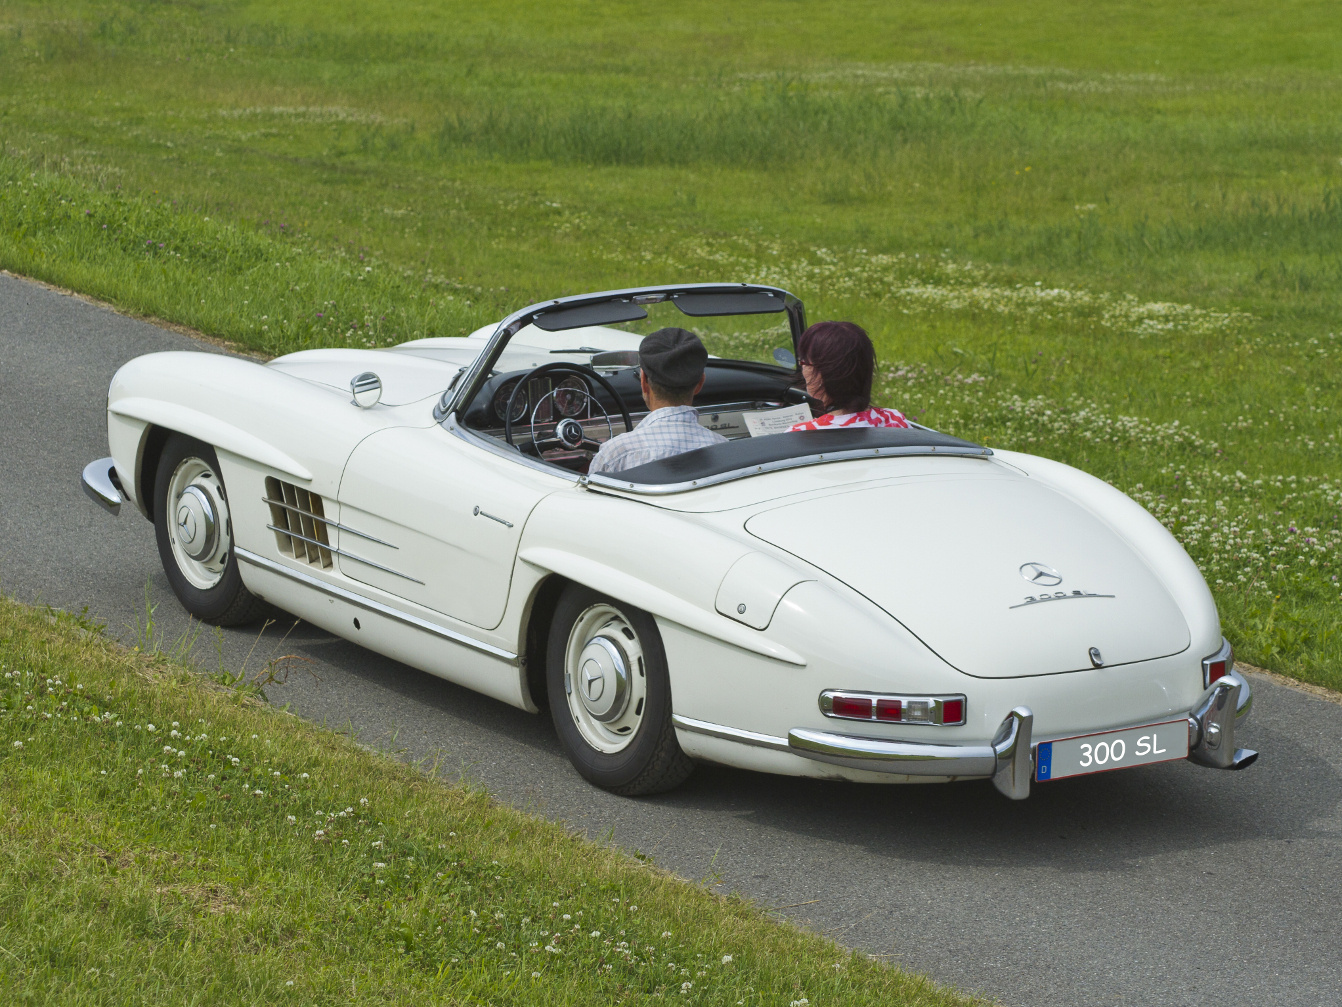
652 762
227 603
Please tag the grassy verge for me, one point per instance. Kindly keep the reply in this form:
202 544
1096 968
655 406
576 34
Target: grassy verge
167 840
1108 236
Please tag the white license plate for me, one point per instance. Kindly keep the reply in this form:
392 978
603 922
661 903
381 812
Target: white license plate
1099 753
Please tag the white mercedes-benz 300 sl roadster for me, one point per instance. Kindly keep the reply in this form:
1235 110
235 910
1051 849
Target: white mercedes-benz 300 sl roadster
880 605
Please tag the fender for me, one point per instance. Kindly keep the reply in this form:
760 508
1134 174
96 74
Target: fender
657 601
210 429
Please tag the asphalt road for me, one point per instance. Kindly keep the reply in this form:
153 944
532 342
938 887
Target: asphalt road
1167 884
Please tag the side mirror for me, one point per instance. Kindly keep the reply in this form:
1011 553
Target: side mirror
785 358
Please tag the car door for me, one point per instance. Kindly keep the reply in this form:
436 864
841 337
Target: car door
436 520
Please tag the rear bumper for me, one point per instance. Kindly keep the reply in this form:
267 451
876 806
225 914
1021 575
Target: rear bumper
1008 760
101 484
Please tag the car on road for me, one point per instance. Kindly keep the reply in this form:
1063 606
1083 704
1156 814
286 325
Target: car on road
880 605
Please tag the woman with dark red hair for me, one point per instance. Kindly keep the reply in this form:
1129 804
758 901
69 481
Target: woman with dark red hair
837 363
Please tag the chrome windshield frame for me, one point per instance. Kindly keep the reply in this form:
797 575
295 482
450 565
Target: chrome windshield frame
456 399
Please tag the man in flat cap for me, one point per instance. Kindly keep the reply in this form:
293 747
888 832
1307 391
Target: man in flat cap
671 363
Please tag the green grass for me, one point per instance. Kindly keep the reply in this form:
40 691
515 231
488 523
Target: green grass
167 840
1067 227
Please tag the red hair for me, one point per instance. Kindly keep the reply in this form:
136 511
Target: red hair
843 355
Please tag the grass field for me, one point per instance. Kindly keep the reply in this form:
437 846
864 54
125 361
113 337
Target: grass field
169 841
1113 235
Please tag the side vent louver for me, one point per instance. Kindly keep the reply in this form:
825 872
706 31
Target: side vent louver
299 521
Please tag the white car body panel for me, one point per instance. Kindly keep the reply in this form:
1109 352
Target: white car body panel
882 575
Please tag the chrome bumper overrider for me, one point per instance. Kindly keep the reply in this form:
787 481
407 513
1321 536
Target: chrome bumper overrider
1009 759
102 486
1211 724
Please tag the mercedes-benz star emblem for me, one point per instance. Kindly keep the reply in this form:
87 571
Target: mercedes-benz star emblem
1041 575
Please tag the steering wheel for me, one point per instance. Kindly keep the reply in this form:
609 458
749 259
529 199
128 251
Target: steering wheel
568 434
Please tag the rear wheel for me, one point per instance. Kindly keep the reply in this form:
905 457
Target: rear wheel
610 695
195 535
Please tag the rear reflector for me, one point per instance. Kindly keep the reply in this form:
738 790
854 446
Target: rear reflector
938 710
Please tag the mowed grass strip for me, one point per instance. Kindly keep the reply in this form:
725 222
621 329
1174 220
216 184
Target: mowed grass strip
168 840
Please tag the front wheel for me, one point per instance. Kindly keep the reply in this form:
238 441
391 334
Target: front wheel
195 535
611 695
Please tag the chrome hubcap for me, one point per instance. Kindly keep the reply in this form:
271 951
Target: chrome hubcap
199 528
605 681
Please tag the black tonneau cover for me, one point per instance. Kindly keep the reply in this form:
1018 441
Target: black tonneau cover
761 454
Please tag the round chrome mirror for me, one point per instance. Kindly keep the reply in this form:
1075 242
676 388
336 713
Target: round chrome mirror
784 358
367 389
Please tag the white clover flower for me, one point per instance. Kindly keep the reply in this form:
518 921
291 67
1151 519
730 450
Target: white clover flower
178 774
535 975
18 744
210 777
377 844
665 934
344 842
289 983
258 793
303 776
291 819
687 985
149 727
275 773
499 945
254 737
726 959
379 864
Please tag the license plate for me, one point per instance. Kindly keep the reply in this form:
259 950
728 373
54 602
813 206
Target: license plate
1099 753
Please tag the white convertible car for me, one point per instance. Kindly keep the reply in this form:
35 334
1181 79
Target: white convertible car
878 605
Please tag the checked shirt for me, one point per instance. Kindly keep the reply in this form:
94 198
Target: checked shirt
663 433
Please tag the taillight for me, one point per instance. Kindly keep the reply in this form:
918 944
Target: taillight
852 707
942 711
1219 664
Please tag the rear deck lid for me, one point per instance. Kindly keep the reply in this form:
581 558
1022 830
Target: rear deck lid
998 574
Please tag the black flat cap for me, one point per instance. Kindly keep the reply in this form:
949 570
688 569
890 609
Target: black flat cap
673 358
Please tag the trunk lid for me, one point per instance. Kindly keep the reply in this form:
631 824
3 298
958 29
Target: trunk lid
949 558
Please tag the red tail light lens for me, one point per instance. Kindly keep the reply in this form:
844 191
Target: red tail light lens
858 708
1218 665
953 711
889 709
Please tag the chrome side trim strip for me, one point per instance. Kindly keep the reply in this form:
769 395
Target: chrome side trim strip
327 521
342 552
99 482
601 481
729 733
370 605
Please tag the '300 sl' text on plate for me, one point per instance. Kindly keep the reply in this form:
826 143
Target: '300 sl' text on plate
1098 753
